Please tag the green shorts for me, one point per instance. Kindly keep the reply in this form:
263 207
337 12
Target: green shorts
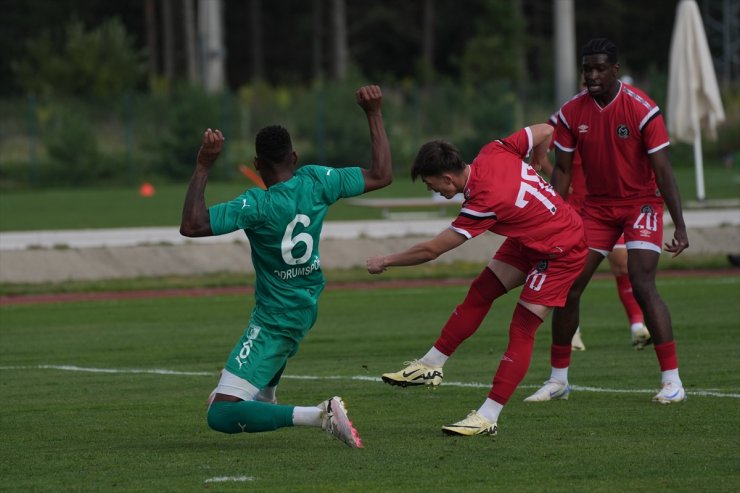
268 342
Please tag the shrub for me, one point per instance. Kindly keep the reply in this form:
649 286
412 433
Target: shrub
100 63
72 152
180 119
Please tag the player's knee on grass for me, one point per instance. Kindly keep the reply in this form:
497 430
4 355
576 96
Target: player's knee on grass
220 418
248 416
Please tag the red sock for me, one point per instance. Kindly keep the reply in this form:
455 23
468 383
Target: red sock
468 315
666 353
560 356
515 362
624 289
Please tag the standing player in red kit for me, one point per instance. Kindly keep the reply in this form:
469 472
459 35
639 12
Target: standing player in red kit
617 257
544 250
621 138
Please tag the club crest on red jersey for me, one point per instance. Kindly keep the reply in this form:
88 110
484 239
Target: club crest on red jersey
622 131
541 266
646 209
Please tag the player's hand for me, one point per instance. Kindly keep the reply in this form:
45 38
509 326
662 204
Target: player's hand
679 242
370 98
376 265
210 148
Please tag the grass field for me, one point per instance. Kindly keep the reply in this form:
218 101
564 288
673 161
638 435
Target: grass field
123 207
109 396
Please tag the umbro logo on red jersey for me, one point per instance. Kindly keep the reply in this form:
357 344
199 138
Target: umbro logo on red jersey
583 128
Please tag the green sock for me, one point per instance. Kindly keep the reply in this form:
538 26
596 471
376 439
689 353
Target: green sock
248 416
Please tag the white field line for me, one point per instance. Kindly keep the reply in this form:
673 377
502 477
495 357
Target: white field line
158 371
229 479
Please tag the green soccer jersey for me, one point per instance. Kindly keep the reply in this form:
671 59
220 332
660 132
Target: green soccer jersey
283 224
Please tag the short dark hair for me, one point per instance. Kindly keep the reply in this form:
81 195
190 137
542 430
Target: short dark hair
435 158
273 144
601 46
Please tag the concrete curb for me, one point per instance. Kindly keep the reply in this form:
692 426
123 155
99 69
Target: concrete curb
63 255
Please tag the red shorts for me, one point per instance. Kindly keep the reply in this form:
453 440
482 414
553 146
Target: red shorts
640 223
548 279
576 202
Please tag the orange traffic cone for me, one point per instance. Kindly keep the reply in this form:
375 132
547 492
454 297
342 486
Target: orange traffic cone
146 190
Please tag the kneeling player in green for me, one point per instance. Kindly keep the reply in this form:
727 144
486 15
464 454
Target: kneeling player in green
283 224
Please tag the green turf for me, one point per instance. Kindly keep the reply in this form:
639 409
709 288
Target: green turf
93 431
123 207
719 183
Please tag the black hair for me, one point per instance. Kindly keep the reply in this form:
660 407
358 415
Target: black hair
601 46
273 144
435 158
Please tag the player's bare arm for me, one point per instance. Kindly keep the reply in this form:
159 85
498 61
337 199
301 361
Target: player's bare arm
543 165
541 136
560 179
666 182
380 174
417 254
195 221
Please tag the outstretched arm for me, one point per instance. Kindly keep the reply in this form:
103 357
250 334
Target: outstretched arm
543 165
669 190
540 160
541 137
380 174
417 254
561 173
195 220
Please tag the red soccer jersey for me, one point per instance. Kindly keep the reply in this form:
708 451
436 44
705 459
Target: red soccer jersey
506 196
614 143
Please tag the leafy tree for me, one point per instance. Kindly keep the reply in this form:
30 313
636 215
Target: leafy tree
492 53
184 113
73 154
101 62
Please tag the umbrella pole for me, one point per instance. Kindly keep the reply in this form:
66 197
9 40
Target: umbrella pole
698 163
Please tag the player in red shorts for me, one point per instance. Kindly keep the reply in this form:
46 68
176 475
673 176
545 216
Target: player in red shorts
617 257
544 251
621 137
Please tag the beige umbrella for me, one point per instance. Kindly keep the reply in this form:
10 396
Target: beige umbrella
694 101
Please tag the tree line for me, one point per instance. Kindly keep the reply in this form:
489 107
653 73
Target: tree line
104 92
300 41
